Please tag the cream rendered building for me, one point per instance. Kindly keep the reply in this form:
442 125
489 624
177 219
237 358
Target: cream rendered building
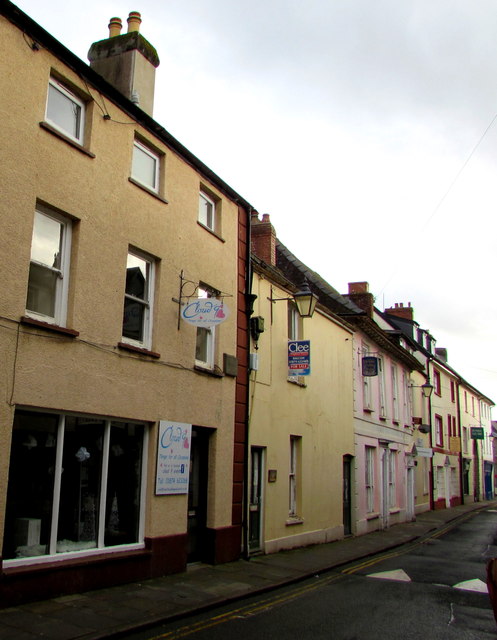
459 464
300 431
110 228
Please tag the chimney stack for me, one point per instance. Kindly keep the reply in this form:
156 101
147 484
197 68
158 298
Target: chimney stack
407 313
127 61
359 294
441 353
263 238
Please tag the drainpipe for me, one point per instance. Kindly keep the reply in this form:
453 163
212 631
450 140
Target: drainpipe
461 464
432 500
249 301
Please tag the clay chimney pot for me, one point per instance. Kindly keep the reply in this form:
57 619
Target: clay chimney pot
134 21
115 26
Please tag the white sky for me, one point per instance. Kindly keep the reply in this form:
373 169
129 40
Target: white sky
349 121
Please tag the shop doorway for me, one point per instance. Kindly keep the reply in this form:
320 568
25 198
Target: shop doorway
197 494
347 495
256 498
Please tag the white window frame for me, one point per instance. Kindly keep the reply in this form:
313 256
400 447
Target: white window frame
293 479
53 554
147 302
205 291
57 86
294 322
392 492
439 431
140 147
406 398
381 389
205 198
295 331
62 284
369 477
367 397
395 394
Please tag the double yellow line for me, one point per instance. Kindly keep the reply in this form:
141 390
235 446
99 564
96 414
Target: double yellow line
269 603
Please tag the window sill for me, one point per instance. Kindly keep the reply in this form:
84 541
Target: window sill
147 190
393 511
214 372
294 520
297 380
383 418
42 563
144 352
367 410
70 333
59 134
372 516
211 231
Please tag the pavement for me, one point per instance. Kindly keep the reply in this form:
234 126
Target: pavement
121 610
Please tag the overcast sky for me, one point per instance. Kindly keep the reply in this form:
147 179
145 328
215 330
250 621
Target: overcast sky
362 128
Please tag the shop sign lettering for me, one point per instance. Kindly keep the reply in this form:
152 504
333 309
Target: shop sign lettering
173 458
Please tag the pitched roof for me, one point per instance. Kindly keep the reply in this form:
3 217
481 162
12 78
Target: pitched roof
44 39
295 271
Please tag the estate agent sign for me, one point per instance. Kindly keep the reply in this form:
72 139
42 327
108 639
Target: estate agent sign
173 458
299 357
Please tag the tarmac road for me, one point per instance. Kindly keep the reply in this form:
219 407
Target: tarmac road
433 588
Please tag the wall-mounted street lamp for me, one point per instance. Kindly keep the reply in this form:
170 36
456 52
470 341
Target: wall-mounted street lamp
305 300
426 389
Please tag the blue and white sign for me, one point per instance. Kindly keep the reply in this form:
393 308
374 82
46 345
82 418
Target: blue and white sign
299 357
173 458
205 312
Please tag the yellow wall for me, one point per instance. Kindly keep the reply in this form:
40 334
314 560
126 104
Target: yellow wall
320 412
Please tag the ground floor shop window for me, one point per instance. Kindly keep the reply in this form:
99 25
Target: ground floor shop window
75 483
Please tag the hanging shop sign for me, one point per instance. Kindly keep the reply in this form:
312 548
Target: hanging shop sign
299 357
173 458
424 452
477 433
369 366
205 312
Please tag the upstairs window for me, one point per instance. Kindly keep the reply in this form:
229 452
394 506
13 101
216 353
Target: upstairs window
49 268
137 316
367 398
381 388
439 435
65 111
145 166
395 394
437 383
206 211
295 324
